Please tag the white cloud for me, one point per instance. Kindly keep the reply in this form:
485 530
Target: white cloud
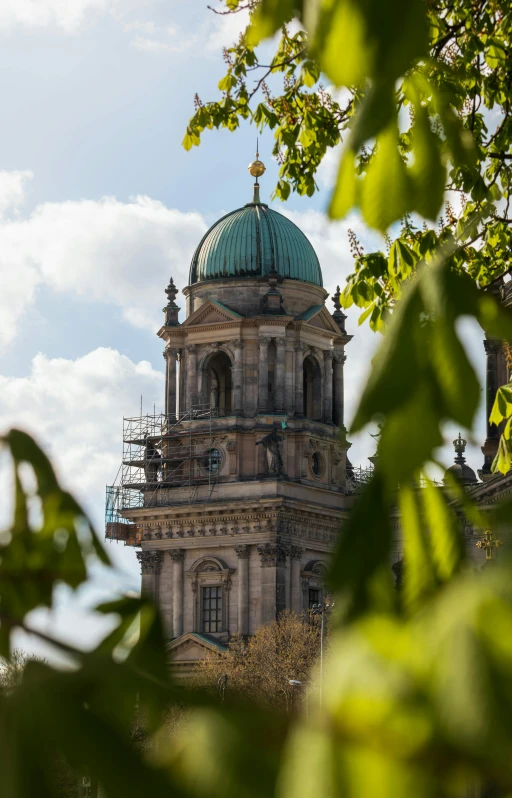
13 190
159 46
103 250
74 408
68 15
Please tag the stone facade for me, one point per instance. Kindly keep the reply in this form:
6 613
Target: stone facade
254 408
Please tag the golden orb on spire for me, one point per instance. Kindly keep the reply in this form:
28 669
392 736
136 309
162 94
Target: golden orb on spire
256 168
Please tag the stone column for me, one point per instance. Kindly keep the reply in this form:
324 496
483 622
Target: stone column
339 360
150 567
328 357
177 557
242 552
263 374
280 374
238 375
300 348
273 591
296 553
191 375
170 356
490 447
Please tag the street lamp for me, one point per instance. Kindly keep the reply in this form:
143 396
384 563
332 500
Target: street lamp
296 684
321 609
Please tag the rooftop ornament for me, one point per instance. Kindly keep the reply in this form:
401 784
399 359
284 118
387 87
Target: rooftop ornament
256 169
489 544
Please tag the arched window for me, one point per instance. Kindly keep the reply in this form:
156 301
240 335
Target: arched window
218 390
312 389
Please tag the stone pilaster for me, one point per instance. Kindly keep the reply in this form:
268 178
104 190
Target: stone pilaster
328 358
296 554
339 360
263 374
280 374
273 578
243 552
150 567
177 556
490 447
170 356
300 348
191 375
238 376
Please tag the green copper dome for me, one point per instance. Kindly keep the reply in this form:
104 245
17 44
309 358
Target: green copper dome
251 242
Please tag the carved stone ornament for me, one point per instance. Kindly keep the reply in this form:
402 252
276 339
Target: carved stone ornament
339 358
296 552
170 353
243 551
273 554
328 354
209 566
150 561
272 445
191 348
301 346
237 343
231 447
177 555
280 342
264 340
491 347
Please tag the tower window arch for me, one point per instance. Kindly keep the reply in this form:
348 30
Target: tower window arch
218 390
312 388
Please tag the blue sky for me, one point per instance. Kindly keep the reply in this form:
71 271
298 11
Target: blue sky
99 205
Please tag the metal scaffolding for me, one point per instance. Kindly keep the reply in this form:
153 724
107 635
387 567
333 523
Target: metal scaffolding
164 457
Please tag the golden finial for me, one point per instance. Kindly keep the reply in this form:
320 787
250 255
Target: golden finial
489 543
256 169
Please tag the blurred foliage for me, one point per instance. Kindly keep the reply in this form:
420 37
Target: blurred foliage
417 697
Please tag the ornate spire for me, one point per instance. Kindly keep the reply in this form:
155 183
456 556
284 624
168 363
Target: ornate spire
338 315
459 444
171 310
256 169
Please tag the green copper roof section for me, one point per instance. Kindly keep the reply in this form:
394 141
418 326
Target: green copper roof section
251 242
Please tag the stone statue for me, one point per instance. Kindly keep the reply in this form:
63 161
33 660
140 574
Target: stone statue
272 445
152 460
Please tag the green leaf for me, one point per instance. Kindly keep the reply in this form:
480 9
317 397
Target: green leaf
363 546
445 539
427 172
502 407
228 82
346 190
385 193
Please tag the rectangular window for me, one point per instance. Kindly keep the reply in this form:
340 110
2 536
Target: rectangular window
314 597
211 598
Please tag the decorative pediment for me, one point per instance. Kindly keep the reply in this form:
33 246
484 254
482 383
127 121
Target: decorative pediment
318 316
192 647
211 312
